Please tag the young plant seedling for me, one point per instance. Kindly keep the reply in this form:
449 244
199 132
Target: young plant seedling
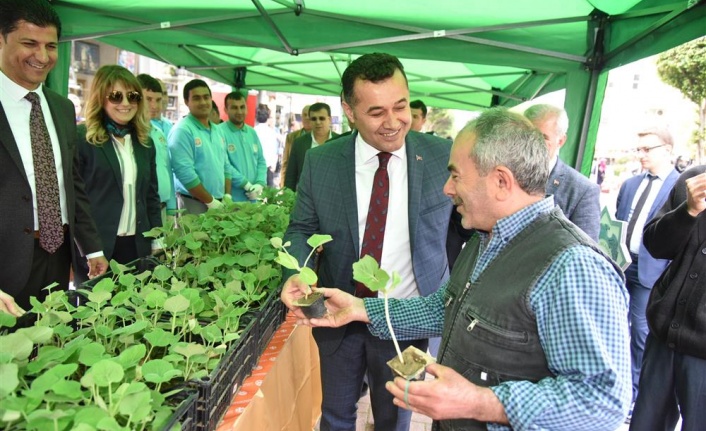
312 305
367 271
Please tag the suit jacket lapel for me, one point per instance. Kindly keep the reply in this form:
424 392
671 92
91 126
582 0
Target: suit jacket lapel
555 178
8 141
347 182
415 177
108 150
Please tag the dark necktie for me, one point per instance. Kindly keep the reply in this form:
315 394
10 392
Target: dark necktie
638 206
46 185
377 217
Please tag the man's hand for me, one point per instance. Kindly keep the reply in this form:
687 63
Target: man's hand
342 307
8 305
696 194
97 266
215 203
449 396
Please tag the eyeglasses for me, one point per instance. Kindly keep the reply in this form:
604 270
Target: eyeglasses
647 150
318 118
116 97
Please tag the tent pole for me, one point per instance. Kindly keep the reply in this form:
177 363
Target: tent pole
590 100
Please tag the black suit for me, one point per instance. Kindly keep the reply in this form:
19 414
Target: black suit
295 165
100 168
17 253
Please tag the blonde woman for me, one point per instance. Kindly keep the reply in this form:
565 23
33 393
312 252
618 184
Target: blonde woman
117 163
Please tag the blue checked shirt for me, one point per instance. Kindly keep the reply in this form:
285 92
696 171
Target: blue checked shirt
581 307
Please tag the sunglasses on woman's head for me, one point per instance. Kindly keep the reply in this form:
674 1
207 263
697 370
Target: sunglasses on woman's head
116 97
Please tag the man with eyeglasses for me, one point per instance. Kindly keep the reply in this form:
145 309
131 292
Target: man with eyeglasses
639 199
320 118
44 205
202 172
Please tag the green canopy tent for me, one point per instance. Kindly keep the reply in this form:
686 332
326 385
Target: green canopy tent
464 54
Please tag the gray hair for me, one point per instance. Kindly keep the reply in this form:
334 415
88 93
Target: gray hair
504 138
539 112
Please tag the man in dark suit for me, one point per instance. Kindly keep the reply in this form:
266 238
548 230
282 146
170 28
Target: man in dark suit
639 199
30 31
577 197
334 197
320 119
289 141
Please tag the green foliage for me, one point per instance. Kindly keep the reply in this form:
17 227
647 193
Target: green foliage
683 68
111 362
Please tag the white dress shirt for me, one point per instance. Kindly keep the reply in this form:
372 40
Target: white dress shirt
657 183
17 110
128 170
396 249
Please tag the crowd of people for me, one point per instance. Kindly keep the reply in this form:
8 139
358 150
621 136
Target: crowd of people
493 236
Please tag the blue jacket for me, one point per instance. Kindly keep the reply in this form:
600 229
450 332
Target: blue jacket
649 268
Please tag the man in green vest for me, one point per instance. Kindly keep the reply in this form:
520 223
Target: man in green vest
533 318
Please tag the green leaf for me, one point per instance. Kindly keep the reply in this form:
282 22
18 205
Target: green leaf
248 259
308 276
8 379
367 271
276 242
127 280
7 320
109 424
46 380
92 353
156 298
105 372
159 371
90 415
133 328
132 356
189 349
16 346
288 261
158 337
162 273
99 297
316 240
37 334
68 388
176 304
136 405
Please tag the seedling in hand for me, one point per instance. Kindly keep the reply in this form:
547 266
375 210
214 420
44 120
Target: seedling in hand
314 306
367 271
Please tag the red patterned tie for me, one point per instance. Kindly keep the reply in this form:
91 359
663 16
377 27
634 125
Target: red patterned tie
46 185
377 217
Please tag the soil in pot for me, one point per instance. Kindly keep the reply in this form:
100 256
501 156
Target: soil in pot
415 361
313 305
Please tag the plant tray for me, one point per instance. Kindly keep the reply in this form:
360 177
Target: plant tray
272 315
184 417
215 392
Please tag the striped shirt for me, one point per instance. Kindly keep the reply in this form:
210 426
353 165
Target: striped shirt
580 304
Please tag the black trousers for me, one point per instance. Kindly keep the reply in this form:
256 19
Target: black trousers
46 269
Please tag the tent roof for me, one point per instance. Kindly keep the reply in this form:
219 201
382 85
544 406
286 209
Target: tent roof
465 54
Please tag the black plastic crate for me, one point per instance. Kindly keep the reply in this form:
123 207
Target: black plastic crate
215 392
272 315
185 414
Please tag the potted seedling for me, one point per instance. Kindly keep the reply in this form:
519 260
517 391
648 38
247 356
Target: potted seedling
411 363
312 303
